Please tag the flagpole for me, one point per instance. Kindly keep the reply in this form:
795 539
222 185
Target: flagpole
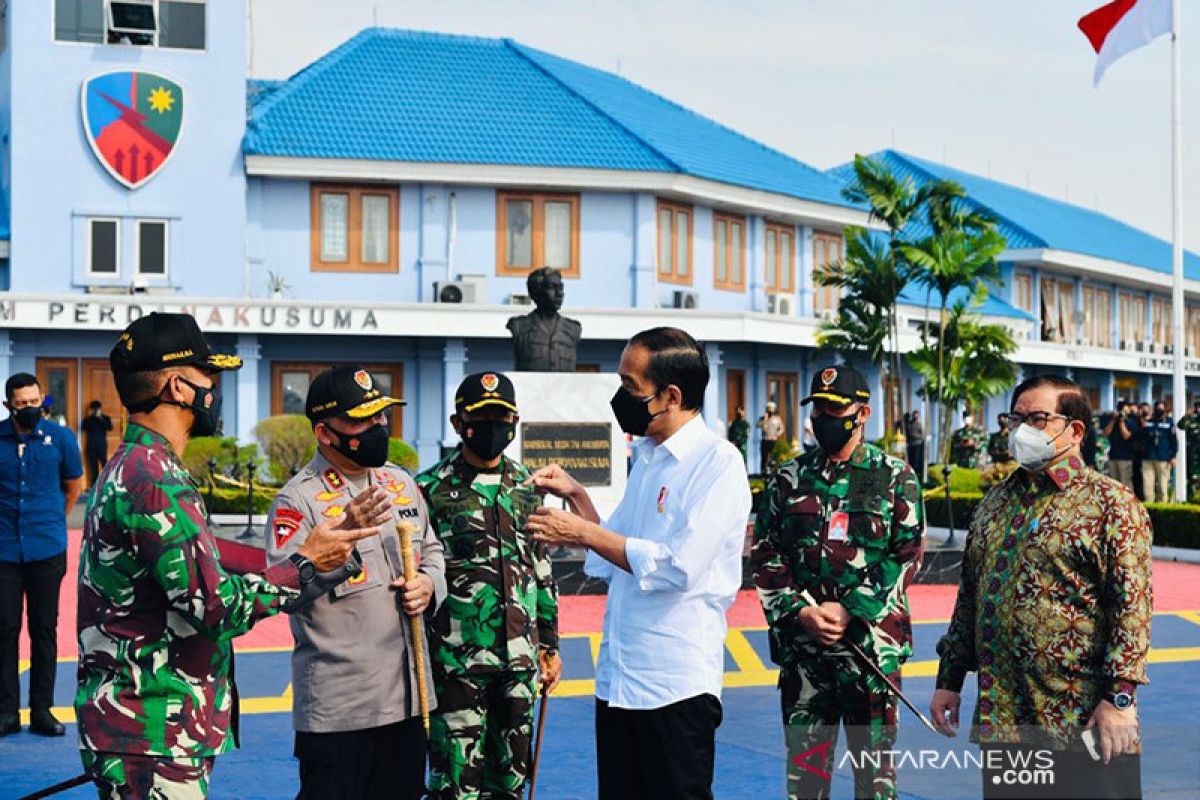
1179 383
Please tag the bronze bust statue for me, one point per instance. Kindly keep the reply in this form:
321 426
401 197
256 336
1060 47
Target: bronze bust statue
543 339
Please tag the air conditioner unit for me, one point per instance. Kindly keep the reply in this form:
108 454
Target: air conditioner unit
132 21
517 299
682 299
467 289
782 304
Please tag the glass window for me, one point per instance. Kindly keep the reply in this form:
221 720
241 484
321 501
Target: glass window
558 235
376 210
181 24
152 247
79 21
674 242
294 389
683 242
737 263
772 267
720 254
518 216
103 246
535 231
1023 292
666 264
335 226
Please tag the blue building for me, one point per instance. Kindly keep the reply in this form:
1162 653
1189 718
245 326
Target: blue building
318 220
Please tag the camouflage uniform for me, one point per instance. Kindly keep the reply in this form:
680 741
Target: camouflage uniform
1190 425
966 445
849 532
502 605
157 616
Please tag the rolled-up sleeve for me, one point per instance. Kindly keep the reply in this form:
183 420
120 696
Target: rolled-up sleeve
716 510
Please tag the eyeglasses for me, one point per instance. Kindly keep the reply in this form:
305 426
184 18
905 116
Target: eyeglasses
1037 419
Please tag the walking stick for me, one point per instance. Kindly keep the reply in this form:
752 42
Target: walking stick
875 668
78 780
405 531
537 742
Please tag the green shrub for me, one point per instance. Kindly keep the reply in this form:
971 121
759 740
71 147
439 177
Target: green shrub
964 505
289 443
403 454
233 500
962 480
1175 525
224 452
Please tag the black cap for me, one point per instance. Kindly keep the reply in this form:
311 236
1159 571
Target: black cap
839 384
346 391
485 389
158 341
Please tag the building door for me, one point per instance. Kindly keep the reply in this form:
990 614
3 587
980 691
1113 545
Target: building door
735 393
97 384
59 378
782 390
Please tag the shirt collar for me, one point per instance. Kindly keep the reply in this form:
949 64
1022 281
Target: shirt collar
1058 476
7 428
860 459
682 444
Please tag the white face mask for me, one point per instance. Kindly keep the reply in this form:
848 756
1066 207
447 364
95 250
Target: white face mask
1033 449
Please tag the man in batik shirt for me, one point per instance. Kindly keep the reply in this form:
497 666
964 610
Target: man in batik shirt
1054 607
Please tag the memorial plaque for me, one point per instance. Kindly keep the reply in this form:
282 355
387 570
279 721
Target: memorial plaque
582 449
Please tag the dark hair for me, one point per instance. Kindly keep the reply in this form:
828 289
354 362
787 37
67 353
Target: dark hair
95 404
135 387
19 380
676 359
538 277
1072 400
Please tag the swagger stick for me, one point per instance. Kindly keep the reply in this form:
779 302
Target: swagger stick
537 742
405 530
871 665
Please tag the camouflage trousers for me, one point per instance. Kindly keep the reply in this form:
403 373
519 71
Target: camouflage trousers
124 776
481 735
818 696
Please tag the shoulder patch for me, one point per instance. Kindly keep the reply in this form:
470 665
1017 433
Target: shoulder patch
287 522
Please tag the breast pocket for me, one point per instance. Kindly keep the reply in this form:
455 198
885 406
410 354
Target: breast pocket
373 575
42 461
802 522
466 541
868 521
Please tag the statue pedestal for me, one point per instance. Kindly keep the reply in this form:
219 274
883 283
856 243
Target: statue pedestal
566 419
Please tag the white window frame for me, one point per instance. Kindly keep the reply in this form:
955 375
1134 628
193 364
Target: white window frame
88 254
137 249
106 12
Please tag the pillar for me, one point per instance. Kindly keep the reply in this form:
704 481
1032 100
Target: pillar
714 412
454 361
246 408
643 269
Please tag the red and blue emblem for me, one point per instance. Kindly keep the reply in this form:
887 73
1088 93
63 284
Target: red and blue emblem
133 120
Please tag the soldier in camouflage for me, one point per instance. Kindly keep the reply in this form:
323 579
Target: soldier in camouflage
157 612
966 444
1190 425
841 525
499 624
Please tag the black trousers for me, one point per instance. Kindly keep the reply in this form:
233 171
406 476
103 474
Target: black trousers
95 461
361 765
32 584
1018 772
663 754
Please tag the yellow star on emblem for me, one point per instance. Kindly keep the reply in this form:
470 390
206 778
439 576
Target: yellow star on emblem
161 99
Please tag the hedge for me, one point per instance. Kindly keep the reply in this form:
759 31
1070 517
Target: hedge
233 500
1175 525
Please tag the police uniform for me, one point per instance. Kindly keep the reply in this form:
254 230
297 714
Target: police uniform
501 611
848 532
355 704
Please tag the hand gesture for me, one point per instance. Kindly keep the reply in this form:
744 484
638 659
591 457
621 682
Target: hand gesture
554 480
372 506
329 544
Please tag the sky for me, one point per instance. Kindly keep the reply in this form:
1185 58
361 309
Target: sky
1000 89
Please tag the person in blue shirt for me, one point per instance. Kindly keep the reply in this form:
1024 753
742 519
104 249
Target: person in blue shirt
40 480
1159 450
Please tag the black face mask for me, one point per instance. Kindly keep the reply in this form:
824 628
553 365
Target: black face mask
487 438
633 413
206 406
367 449
27 417
833 432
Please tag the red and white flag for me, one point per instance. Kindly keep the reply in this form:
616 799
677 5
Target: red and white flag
1123 26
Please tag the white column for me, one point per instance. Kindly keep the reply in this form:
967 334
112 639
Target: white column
714 412
246 408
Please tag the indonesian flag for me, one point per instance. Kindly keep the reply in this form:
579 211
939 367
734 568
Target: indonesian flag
1123 26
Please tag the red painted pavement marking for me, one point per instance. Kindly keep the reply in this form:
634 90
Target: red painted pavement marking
1174 590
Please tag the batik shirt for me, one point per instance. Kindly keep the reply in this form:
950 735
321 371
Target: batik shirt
502 602
157 613
846 531
1054 602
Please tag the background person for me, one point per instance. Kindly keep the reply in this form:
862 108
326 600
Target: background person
1161 447
95 429
771 428
672 555
1119 429
39 484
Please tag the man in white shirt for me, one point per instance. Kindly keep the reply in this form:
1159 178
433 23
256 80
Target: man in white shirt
672 555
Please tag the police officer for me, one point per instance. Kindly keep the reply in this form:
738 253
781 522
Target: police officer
355 707
841 526
157 612
499 624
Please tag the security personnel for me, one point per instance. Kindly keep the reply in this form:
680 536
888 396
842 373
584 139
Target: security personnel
966 444
1190 425
499 625
842 526
355 707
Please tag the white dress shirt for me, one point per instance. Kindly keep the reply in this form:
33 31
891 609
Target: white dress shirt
684 512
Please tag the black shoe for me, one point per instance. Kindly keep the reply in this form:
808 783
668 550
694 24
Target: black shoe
9 723
43 723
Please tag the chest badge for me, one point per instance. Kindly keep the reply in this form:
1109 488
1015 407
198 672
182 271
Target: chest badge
662 499
839 526
333 511
334 482
360 578
327 497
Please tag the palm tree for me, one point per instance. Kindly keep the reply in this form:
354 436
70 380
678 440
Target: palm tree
959 256
869 288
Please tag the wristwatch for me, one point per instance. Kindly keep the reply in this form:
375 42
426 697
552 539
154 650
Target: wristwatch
306 568
1121 700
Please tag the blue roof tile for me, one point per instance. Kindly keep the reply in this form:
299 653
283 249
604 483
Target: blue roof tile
398 95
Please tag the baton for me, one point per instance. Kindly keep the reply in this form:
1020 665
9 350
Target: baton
78 780
537 742
405 530
876 669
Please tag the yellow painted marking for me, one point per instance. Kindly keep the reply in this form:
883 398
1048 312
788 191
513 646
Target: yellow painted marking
593 644
1190 616
743 654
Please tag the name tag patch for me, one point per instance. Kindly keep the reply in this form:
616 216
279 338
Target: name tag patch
839 527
